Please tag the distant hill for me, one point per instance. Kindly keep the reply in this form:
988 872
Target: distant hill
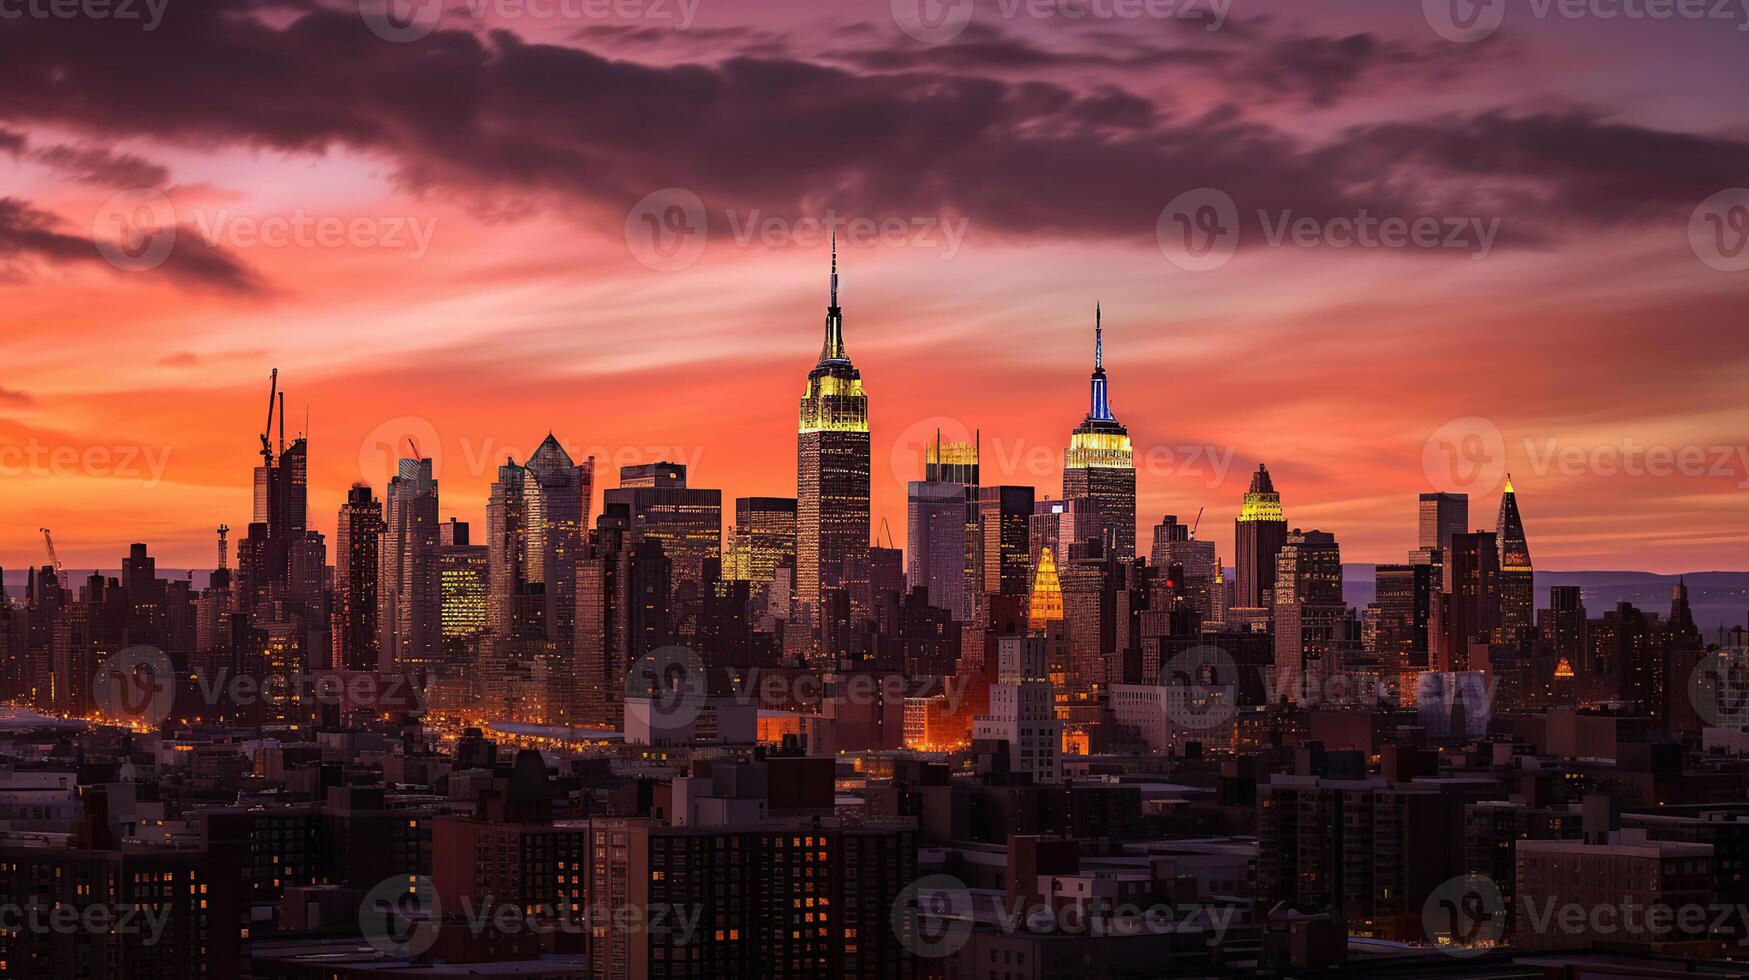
1717 598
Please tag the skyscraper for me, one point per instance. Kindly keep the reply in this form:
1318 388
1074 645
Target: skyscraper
686 521
1099 463
940 522
464 576
1405 604
764 537
622 614
1442 515
935 542
534 538
1259 533
408 614
358 536
1173 545
1473 608
1309 613
1004 554
1563 625
832 468
1517 579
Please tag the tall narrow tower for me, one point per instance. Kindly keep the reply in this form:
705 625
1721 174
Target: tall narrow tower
1259 534
1517 580
832 468
1099 463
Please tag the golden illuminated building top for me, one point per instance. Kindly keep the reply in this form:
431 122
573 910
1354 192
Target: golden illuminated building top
1046 605
1262 502
952 453
834 400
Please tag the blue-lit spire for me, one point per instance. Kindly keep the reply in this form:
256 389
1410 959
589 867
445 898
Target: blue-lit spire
1101 410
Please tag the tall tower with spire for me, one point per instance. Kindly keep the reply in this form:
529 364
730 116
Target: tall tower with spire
832 469
1517 579
1100 463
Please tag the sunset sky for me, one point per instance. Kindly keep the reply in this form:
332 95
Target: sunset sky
1596 337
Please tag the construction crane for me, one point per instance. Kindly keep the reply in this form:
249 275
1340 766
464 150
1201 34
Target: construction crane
267 429
1196 524
224 546
54 559
413 444
888 531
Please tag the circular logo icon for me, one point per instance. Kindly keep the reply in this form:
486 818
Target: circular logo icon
406 437
911 450
933 916
1464 21
135 230
1198 231
668 229
1465 916
1466 455
400 916
400 21
1719 687
932 21
673 679
1718 231
1203 687
135 686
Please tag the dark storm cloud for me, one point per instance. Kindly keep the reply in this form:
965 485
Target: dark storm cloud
491 112
96 165
30 235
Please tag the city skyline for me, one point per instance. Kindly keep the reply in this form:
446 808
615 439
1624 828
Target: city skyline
1007 460
1265 498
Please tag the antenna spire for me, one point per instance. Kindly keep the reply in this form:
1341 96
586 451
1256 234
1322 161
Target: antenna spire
834 267
1098 339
